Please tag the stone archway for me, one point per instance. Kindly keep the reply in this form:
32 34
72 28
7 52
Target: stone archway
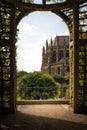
74 13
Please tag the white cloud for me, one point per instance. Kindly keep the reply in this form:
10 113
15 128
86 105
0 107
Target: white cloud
26 27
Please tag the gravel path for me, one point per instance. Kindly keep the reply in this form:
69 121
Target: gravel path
43 117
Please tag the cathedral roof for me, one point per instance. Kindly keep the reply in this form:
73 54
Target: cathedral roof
61 40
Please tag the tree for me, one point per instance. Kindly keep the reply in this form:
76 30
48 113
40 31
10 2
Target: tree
21 73
36 85
64 87
60 79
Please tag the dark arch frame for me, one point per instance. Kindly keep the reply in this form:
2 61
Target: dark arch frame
70 11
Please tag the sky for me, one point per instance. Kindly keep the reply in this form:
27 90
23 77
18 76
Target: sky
34 30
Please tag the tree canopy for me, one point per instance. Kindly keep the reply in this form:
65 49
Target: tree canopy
36 85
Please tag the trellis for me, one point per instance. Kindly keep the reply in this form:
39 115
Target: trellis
74 13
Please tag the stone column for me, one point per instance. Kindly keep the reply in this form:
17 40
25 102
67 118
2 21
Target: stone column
76 40
13 59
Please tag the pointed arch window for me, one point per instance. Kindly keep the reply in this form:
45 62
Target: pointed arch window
54 57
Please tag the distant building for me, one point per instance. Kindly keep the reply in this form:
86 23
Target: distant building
55 56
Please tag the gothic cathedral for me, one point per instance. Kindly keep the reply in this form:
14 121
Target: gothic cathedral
55 56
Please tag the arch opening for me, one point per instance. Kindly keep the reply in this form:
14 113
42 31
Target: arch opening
38 31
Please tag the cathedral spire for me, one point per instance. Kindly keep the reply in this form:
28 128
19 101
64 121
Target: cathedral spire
43 50
51 42
46 45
